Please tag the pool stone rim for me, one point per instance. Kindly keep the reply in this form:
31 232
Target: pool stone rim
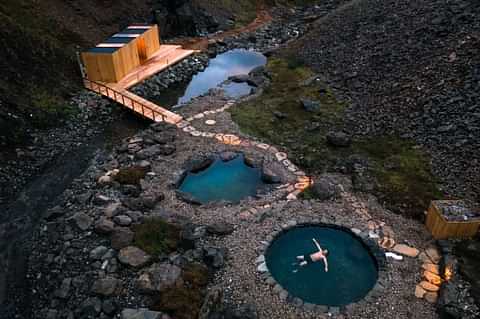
381 286
203 161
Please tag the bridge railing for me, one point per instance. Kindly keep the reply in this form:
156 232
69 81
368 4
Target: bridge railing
123 99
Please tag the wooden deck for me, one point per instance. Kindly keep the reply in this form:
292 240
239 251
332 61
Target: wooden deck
167 55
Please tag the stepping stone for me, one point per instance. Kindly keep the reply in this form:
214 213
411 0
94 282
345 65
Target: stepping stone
188 129
431 297
406 250
431 268
394 256
189 119
262 267
199 116
424 258
429 287
434 255
280 156
210 122
183 124
387 243
432 278
196 133
210 135
263 146
419 292
287 163
301 186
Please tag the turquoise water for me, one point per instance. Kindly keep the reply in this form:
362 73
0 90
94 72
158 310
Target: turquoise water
352 269
230 181
234 62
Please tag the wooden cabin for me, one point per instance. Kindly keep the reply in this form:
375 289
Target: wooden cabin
453 219
115 57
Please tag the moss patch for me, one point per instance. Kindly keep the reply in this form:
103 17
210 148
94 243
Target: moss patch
185 300
156 237
131 175
277 117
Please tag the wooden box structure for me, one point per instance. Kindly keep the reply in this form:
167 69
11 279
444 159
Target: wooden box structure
453 219
114 58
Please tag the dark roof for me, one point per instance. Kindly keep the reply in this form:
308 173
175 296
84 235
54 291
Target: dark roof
118 40
103 50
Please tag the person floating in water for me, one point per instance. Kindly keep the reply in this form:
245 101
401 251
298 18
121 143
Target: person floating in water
321 254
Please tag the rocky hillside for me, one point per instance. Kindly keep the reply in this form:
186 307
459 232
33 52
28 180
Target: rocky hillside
411 68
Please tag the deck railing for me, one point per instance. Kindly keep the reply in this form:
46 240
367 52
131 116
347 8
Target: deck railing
123 99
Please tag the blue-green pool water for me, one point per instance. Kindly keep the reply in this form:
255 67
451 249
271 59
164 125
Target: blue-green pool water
352 269
230 181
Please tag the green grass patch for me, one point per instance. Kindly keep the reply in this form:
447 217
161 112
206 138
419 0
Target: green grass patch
402 172
156 237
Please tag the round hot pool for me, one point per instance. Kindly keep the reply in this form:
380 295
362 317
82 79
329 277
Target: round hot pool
352 270
229 180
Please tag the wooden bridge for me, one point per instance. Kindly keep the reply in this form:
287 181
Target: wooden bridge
126 59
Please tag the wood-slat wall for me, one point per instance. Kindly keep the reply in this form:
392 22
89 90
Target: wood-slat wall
440 228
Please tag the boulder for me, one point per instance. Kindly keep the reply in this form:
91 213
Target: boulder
220 229
113 209
339 139
121 237
122 220
406 250
269 177
106 286
324 189
104 226
98 252
228 156
82 221
101 200
239 78
310 105
133 257
158 278
214 257
64 289
141 313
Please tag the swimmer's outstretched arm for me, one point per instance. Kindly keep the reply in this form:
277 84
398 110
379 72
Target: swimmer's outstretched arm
325 261
317 244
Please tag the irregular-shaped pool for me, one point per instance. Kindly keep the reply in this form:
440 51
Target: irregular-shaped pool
229 180
352 270
233 62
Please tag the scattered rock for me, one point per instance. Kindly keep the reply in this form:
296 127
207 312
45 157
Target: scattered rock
158 278
220 229
106 286
64 289
339 139
141 313
133 257
121 237
82 221
98 252
214 257
310 105
122 220
104 226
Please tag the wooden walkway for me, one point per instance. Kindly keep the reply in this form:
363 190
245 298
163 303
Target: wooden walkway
167 55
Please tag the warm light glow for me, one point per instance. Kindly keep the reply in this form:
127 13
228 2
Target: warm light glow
448 273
